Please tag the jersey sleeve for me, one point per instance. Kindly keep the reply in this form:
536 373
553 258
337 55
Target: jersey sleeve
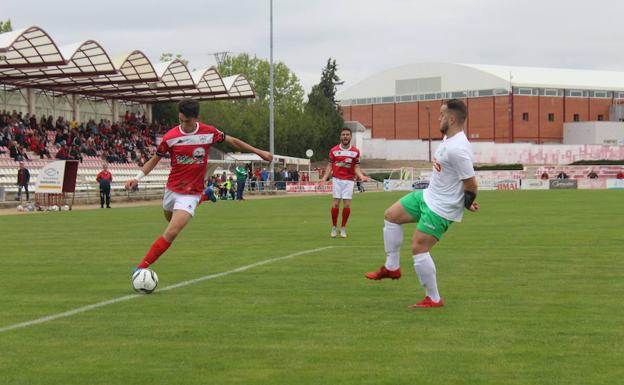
356 160
163 148
219 136
332 160
463 163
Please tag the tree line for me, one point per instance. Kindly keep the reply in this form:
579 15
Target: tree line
300 124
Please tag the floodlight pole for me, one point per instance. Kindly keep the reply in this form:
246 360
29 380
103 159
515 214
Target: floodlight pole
271 102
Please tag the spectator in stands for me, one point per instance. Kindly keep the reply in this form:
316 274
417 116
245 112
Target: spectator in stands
241 179
74 154
264 175
223 187
105 178
544 176
620 175
592 175
231 189
62 153
22 155
562 175
23 178
13 151
43 151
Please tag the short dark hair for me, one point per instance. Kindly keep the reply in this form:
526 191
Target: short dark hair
346 129
457 108
189 108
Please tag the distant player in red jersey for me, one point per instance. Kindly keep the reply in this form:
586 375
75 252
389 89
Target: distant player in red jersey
344 166
189 145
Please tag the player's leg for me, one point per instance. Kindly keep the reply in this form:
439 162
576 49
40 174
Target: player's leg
346 211
335 209
425 267
101 198
346 193
178 210
395 216
108 194
428 232
178 221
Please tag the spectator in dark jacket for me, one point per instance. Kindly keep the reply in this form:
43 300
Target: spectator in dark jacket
105 178
23 178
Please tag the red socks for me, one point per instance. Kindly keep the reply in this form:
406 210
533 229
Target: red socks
158 248
346 211
345 215
334 212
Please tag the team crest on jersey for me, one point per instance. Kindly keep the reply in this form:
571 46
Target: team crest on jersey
199 154
198 157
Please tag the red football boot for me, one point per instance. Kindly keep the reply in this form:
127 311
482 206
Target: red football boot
428 302
383 273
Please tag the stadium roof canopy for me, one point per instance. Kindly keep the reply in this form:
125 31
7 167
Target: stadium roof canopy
426 78
29 58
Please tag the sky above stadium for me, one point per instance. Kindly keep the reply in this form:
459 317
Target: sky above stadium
364 36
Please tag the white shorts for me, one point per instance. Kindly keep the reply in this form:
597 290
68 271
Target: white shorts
342 189
174 201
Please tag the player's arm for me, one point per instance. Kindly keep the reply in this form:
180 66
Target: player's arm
360 175
470 194
147 168
327 172
243 146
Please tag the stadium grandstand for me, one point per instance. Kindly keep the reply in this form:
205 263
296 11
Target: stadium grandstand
78 102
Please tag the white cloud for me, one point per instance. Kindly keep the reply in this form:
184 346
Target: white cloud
364 36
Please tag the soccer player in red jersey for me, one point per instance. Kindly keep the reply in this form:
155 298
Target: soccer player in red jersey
189 145
344 165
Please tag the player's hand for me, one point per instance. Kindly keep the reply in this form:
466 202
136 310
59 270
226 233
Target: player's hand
131 184
364 178
474 207
266 155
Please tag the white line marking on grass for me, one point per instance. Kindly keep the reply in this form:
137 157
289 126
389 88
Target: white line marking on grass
171 287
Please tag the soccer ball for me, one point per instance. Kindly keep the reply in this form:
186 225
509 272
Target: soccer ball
65 208
144 281
20 208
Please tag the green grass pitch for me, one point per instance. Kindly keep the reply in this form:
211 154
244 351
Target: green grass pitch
533 285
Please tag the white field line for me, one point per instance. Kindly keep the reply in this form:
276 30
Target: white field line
171 287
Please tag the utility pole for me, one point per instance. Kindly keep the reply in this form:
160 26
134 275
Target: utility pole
271 101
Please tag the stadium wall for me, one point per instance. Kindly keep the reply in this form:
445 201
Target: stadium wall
491 152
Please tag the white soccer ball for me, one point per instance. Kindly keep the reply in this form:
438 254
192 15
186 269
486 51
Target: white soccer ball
144 281
54 208
65 208
20 208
